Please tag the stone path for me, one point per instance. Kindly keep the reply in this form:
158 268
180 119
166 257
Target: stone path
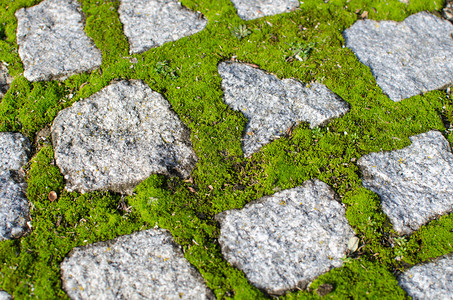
119 136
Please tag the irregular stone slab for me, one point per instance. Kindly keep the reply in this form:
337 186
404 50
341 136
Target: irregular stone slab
285 241
5 80
14 210
415 183
52 41
151 23
5 296
14 149
272 105
253 9
143 265
433 280
118 137
406 58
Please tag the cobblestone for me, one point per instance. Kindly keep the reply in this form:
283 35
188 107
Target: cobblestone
52 41
143 265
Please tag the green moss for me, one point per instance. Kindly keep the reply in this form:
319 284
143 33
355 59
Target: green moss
361 279
434 239
185 72
109 39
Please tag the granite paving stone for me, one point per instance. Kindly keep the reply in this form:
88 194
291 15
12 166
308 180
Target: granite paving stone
144 265
52 41
5 296
406 58
14 210
118 137
272 105
5 80
415 184
253 9
432 280
286 240
151 23
14 149
447 11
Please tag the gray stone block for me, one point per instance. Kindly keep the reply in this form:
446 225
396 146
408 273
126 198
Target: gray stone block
143 265
272 105
433 280
4 296
406 58
447 11
415 183
14 210
118 137
5 80
14 149
52 41
151 23
285 241
253 9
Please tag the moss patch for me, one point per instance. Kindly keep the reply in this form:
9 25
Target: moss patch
185 72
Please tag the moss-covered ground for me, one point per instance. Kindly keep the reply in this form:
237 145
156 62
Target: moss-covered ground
185 72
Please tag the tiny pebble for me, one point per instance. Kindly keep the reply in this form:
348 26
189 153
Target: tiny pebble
52 196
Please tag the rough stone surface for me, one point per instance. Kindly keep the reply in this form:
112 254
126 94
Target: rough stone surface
143 265
447 11
52 41
253 9
14 211
118 137
14 148
415 183
4 296
5 80
406 58
429 281
151 23
272 105
286 240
